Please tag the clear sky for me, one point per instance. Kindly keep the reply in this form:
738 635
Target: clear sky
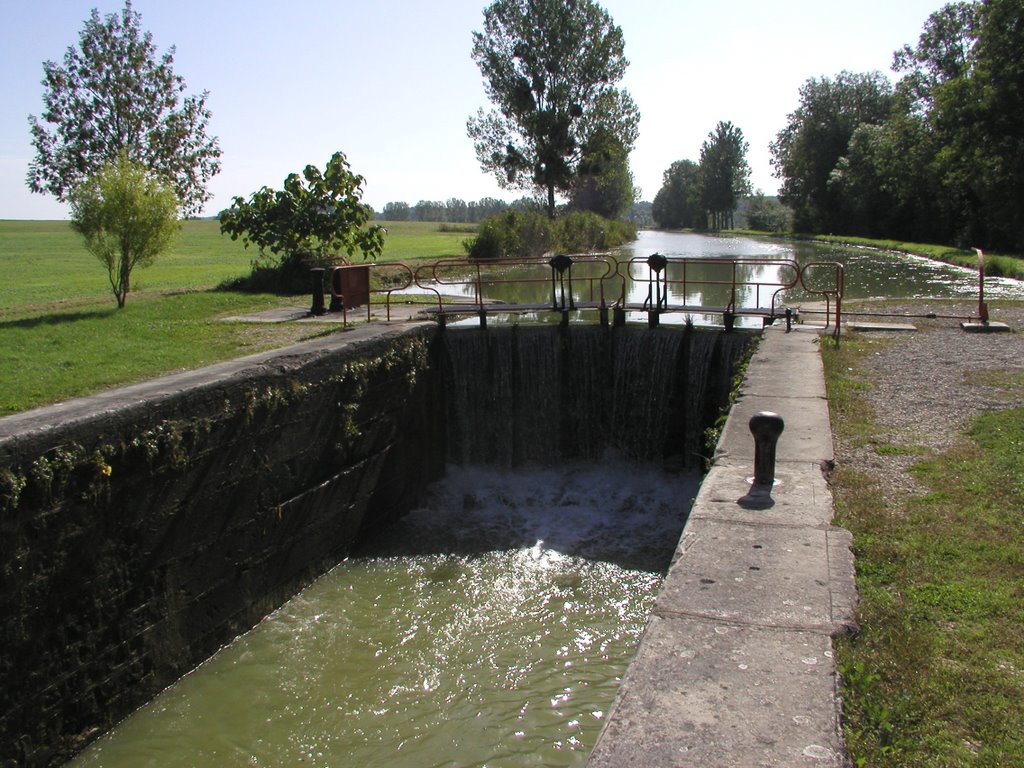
391 82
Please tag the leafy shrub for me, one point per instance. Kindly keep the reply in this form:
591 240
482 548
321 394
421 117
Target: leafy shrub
519 234
767 214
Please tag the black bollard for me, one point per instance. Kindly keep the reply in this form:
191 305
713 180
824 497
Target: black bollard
766 428
316 274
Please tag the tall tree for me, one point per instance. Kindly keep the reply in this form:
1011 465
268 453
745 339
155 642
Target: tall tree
677 204
549 68
978 118
112 95
944 52
725 174
805 153
127 216
604 183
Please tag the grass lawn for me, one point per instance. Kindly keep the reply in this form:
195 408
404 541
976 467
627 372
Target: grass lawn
935 676
62 336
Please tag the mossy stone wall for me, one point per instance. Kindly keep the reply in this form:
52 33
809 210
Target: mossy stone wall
135 543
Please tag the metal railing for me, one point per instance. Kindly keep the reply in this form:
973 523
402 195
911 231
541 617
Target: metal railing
668 277
653 284
468 280
831 291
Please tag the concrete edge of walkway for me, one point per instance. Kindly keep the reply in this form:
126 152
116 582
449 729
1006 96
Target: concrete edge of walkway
149 394
735 667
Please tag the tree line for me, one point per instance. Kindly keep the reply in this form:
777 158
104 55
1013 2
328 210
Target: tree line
937 157
453 210
704 195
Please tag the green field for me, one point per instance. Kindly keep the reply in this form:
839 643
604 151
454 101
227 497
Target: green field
61 334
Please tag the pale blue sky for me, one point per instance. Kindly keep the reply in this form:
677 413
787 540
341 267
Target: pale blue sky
391 84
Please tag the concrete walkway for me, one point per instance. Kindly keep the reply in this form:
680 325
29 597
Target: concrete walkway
736 667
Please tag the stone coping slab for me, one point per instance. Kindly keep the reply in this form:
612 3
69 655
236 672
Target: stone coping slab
735 667
705 693
765 575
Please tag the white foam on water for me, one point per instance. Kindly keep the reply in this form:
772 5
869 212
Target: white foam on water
490 626
623 513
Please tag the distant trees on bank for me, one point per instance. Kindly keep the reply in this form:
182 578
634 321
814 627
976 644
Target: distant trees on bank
456 211
939 157
705 195
453 210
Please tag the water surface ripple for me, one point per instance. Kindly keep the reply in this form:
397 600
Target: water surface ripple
489 627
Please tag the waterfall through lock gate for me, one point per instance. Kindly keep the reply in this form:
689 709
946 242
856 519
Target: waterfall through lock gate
526 394
491 625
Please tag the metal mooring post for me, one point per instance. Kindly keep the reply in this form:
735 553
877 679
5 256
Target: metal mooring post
766 428
316 274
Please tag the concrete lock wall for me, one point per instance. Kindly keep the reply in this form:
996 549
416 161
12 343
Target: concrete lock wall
138 540
142 529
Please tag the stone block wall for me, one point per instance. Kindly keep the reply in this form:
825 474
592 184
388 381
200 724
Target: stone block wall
136 542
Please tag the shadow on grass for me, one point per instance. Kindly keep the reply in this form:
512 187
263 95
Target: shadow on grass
61 318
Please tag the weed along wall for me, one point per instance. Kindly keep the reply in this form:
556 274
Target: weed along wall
142 530
138 540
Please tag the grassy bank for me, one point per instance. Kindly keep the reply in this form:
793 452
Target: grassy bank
61 335
935 675
996 264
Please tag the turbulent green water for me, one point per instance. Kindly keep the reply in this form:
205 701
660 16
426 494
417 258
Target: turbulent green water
489 628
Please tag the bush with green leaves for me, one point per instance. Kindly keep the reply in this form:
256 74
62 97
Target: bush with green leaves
531 234
767 214
311 222
128 217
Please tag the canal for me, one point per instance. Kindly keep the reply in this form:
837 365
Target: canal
491 626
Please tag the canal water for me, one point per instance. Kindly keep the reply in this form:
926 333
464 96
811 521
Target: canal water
869 273
491 626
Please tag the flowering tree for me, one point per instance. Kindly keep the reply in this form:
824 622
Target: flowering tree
112 96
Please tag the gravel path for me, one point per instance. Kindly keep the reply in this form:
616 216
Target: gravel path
928 386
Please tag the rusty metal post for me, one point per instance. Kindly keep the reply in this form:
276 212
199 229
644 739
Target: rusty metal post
766 428
982 306
336 305
316 275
